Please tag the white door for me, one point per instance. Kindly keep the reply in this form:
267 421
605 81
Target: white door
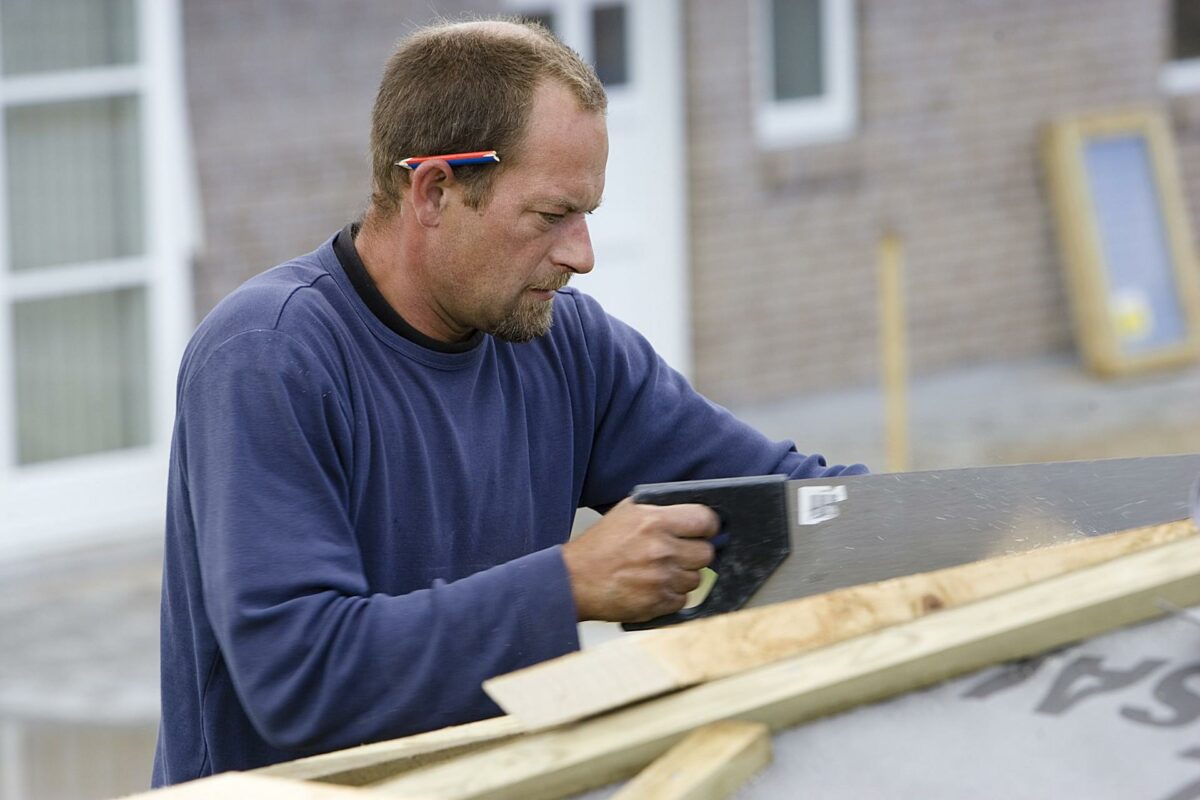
639 233
94 235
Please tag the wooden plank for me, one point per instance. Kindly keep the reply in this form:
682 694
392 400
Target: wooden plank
244 786
1025 621
710 764
370 763
638 667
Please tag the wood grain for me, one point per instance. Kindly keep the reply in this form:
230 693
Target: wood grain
634 668
710 764
369 763
245 786
1029 620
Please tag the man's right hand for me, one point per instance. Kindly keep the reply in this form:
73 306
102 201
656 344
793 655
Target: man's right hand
639 561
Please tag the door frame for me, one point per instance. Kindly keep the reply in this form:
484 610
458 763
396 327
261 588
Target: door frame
656 87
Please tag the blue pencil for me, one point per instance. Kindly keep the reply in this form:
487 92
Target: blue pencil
454 159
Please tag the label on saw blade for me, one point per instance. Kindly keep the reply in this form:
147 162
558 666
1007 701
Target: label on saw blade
819 504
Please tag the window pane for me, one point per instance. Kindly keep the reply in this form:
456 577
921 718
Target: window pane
82 375
610 44
1185 30
40 35
796 47
74 182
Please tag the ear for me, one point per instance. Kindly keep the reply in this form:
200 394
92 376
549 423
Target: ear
427 191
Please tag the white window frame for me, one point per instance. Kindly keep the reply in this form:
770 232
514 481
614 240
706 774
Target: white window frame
573 24
829 116
1181 76
647 113
67 501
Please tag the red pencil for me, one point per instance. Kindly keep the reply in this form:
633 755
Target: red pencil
454 159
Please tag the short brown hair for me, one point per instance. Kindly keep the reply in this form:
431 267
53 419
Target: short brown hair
460 87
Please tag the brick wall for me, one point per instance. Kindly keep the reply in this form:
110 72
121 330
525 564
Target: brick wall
279 96
952 98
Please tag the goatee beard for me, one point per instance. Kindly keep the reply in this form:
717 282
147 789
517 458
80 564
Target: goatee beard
528 319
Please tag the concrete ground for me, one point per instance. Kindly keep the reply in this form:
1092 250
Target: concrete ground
79 630
79 671
1043 409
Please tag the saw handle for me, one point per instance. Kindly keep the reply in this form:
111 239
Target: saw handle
753 541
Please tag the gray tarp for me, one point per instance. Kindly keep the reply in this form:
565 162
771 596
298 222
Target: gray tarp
1114 717
1117 716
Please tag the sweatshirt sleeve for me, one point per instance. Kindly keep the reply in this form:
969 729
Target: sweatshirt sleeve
316 659
652 426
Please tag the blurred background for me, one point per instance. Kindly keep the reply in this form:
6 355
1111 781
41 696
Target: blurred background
157 153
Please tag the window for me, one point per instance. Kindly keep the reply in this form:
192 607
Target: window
610 45
805 84
597 30
1181 75
94 205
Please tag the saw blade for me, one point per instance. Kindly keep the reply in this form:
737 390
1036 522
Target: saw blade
867 528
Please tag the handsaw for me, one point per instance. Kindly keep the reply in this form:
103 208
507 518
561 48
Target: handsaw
783 539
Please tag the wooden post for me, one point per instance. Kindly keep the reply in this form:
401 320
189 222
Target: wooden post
894 352
710 764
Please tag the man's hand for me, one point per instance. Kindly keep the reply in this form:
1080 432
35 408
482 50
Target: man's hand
639 561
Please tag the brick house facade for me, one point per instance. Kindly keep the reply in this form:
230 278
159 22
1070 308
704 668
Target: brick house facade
951 99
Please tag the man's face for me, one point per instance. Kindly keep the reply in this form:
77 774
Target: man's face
503 262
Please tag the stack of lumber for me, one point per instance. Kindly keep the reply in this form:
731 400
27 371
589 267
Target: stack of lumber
687 711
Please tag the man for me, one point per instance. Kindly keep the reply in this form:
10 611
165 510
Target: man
379 446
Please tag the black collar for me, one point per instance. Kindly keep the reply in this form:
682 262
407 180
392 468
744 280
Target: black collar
356 271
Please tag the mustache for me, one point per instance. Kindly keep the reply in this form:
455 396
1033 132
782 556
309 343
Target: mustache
555 285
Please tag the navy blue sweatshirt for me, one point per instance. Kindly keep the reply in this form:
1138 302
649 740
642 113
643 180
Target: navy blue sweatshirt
361 529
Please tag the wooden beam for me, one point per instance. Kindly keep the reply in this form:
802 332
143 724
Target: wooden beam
245 786
1029 620
370 763
634 668
710 764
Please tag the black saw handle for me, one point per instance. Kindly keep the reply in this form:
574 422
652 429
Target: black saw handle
754 530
